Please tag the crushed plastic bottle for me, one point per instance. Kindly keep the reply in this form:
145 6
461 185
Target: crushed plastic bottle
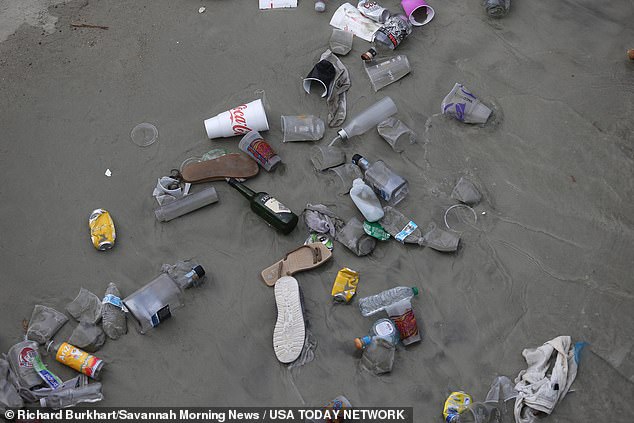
113 313
70 396
375 303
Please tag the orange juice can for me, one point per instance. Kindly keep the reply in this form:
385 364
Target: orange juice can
78 359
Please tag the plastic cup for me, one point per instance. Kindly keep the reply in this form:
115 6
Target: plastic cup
347 173
302 128
341 41
259 150
383 73
396 134
464 106
238 121
418 12
325 156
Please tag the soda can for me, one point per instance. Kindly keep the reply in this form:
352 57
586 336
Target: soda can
345 285
102 231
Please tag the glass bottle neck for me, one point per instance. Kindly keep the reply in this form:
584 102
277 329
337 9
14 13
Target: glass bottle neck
242 189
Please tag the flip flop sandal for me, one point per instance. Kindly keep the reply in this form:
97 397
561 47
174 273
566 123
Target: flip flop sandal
227 166
290 329
303 258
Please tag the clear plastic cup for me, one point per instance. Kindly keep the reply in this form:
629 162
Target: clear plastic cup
384 72
324 156
144 134
346 173
396 134
341 41
302 128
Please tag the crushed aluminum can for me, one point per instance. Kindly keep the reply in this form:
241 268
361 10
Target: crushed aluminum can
345 285
102 232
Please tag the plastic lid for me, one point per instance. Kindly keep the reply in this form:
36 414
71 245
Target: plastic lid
415 290
320 6
144 134
199 271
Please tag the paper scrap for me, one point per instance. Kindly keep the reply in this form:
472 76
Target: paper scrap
108 173
276 4
202 9
348 18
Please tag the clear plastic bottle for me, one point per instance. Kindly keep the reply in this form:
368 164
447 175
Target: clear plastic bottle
382 328
364 198
68 397
386 183
113 317
368 119
375 303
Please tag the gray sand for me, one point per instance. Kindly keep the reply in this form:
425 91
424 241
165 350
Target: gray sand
551 255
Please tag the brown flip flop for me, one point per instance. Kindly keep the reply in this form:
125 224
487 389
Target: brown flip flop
303 258
227 166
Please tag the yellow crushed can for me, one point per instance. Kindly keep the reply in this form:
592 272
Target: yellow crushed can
102 231
345 285
456 403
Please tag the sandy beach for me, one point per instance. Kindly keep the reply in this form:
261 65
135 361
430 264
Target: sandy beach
551 252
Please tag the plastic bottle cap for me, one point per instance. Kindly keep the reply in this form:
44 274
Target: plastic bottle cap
356 158
415 290
358 343
199 271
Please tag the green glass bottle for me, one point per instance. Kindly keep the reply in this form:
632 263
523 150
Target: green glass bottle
268 208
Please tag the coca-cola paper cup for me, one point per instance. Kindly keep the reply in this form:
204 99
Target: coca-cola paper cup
238 121
418 11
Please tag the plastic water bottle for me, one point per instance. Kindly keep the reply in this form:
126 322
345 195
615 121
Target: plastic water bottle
365 199
382 328
375 303
68 397
112 315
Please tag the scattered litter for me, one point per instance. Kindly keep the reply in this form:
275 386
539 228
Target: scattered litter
202 9
108 173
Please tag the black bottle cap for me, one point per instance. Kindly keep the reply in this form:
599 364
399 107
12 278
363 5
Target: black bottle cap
199 271
356 158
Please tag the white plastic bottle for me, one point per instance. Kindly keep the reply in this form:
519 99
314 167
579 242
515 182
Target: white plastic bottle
366 201
367 119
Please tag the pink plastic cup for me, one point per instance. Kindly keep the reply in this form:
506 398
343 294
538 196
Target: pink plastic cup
418 11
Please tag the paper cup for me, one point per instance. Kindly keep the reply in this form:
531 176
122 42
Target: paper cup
418 11
238 121
464 106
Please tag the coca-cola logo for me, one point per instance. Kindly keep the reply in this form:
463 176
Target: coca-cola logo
26 356
238 121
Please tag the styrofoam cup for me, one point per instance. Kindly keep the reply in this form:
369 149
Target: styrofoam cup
240 120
